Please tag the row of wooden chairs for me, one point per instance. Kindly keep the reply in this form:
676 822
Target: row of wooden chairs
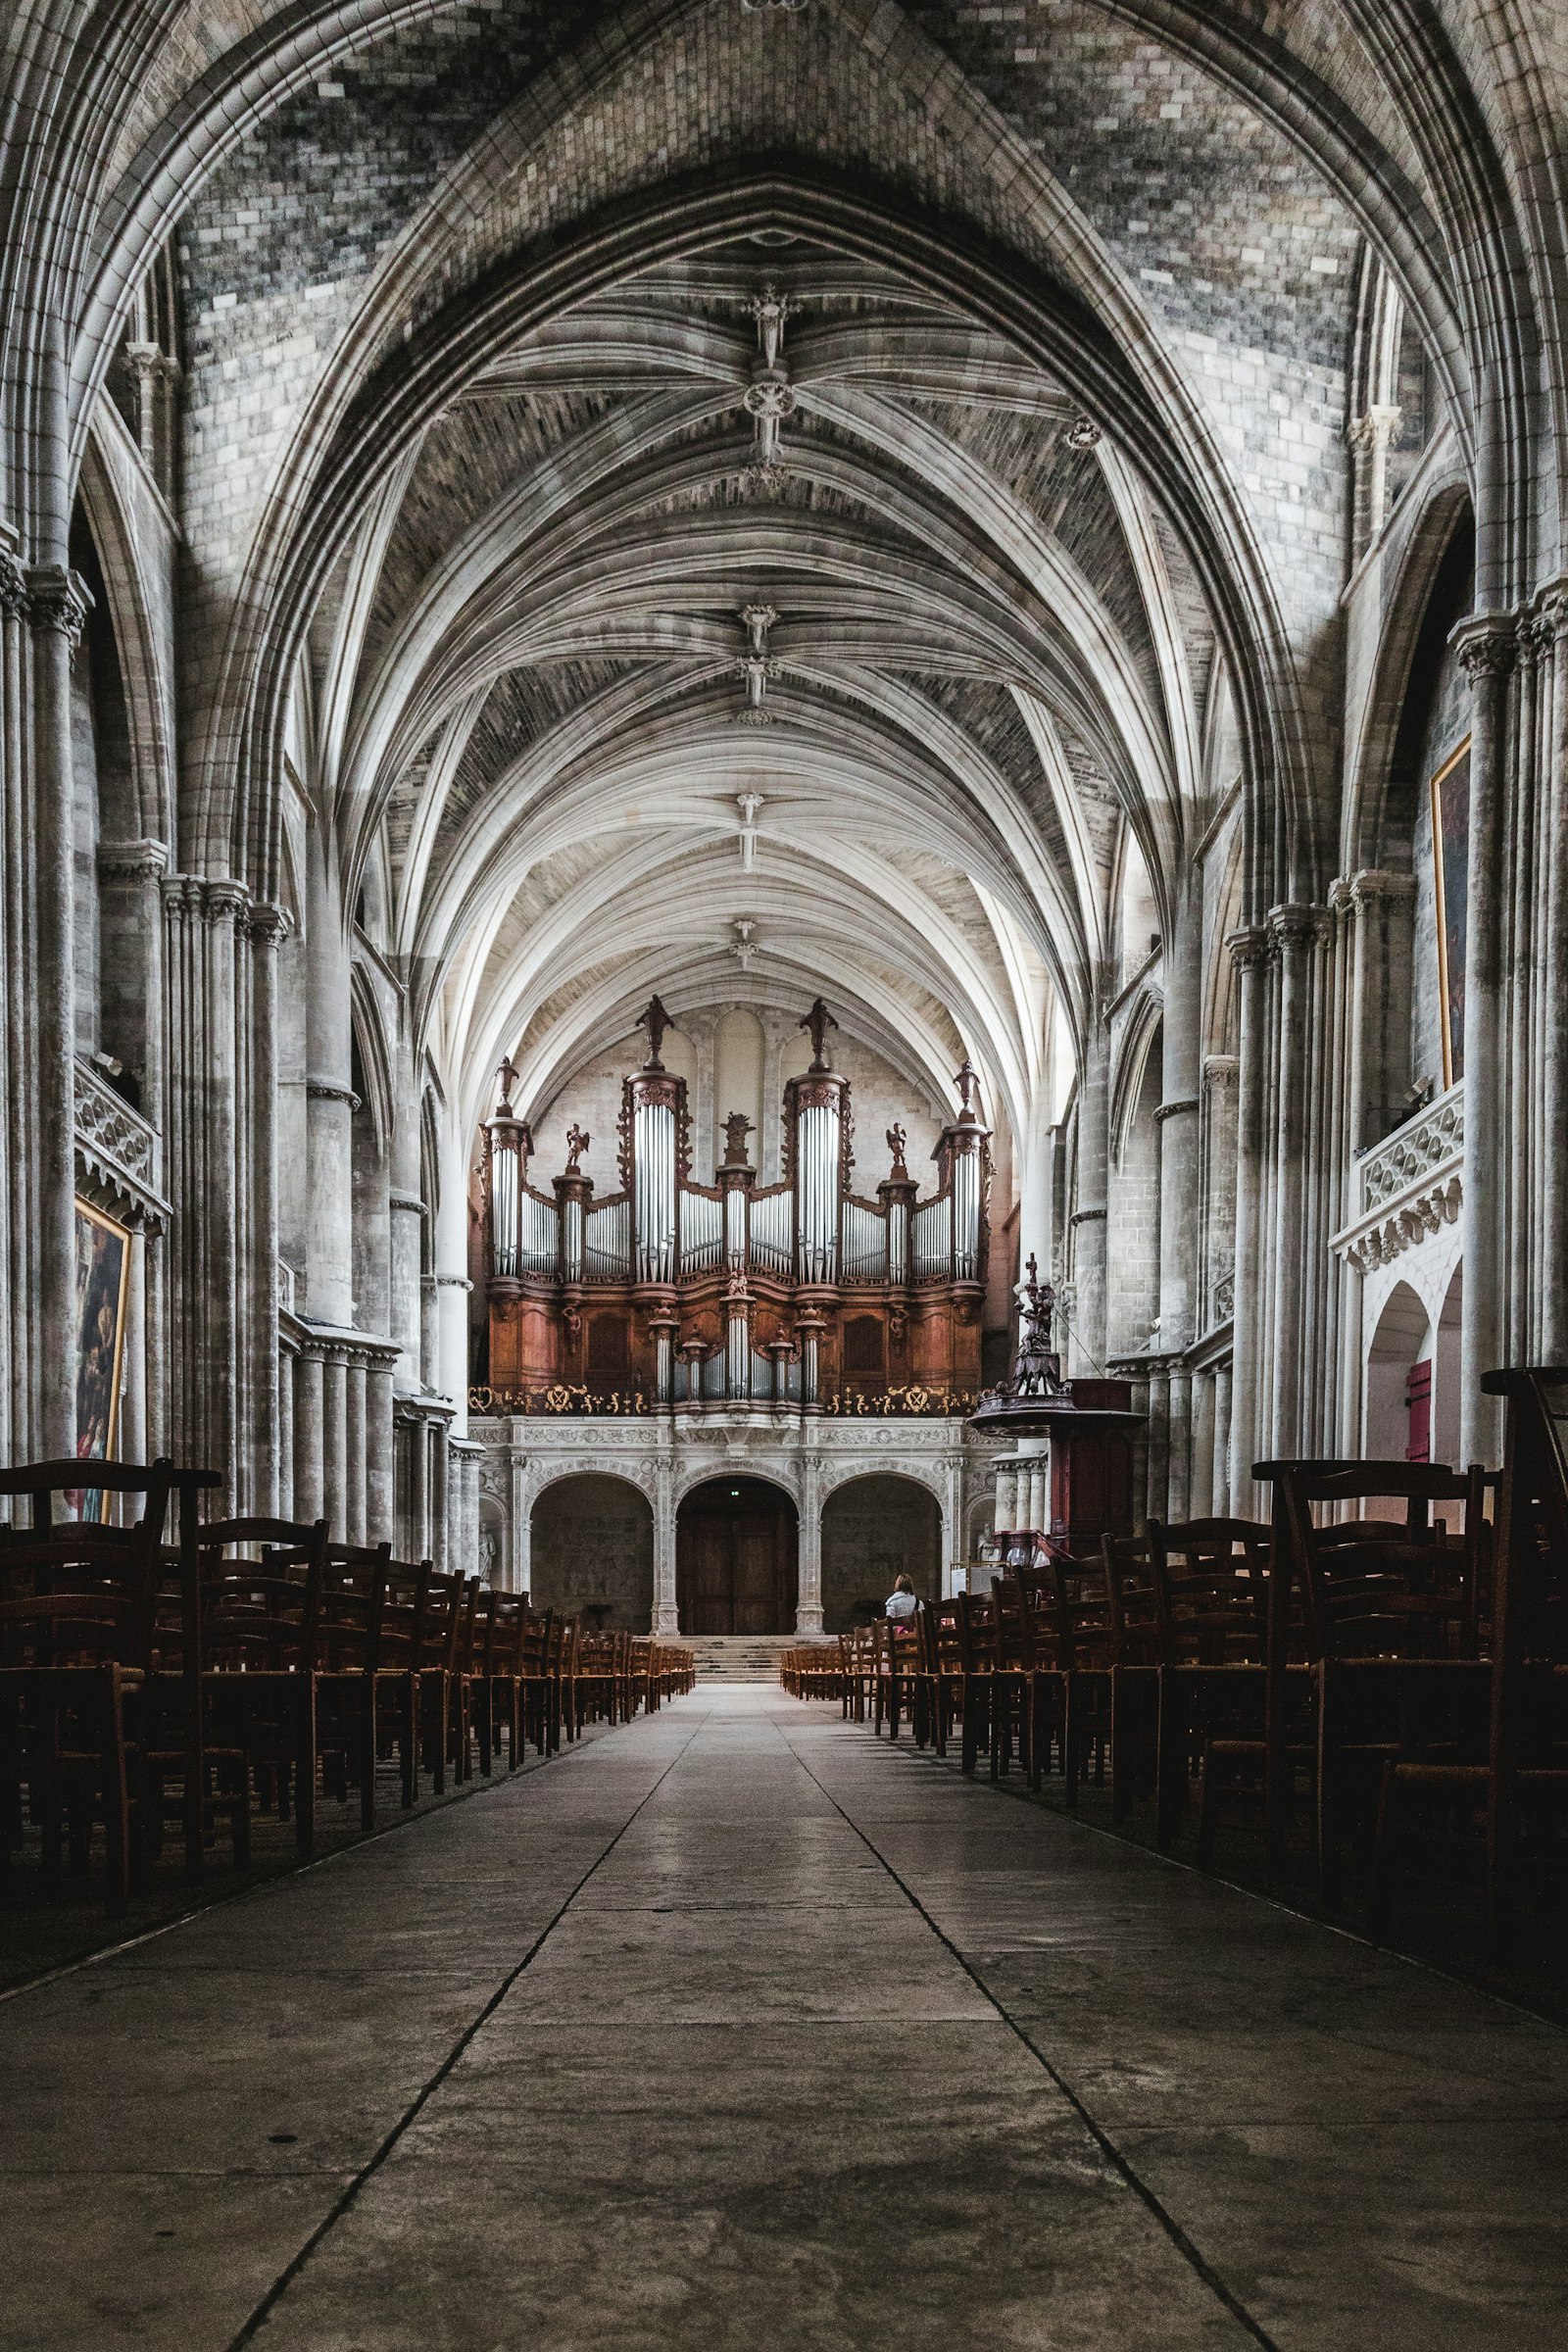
254 1662
1383 1662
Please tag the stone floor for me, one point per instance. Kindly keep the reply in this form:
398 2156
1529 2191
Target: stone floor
737 2029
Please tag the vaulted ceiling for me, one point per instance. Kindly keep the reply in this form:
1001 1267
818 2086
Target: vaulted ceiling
756 628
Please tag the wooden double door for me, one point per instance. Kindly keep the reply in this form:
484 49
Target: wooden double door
736 1558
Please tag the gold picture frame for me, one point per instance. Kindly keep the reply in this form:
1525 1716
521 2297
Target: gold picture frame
1449 789
103 1282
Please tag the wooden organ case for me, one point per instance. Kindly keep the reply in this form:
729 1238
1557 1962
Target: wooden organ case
670 1292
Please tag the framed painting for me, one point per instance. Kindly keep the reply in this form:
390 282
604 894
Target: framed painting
1450 874
103 1273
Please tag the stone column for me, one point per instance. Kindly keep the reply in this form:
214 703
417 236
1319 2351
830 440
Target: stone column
1180 1203
380 1483
354 1434
310 1484
1487 654
522 1524
58 604
809 1608
1088 1333
1250 950
1006 1502
1223 1502
667 1617
265 928
452 1273
418 1491
1295 929
1554 962
18 1354
335 1440
286 1372
1200 1494
329 1096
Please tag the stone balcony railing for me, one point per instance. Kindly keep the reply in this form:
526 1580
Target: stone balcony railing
117 1146
1409 1185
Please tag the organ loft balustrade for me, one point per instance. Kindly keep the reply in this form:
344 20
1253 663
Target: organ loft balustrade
669 1293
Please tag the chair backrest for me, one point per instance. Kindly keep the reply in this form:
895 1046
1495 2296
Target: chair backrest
354 1594
1210 1580
1376 1584
75 1592
1085 1627
1132 1599
402 1634
261 1595
441 1620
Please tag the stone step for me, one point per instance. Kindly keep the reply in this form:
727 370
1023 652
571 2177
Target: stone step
739 1657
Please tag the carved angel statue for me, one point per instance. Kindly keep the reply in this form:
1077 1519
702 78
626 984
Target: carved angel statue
737 1127
577 1142
897 1138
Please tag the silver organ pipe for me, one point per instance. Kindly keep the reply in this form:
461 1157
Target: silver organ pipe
865 1243
506 1183
898 1240
931 1238
773 1230
572 1238
734 1225
606 1246
817 1156
540 1250
738 1368
702 1223
654 1191
966 1215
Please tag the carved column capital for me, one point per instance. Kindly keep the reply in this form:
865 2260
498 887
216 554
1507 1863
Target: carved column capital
13 586
1375 886
58 600
133 861
1297 926
1249 946
266 924
1487 647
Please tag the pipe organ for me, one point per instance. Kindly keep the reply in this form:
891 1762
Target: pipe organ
673 1293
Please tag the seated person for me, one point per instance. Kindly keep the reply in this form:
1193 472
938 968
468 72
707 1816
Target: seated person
901 1602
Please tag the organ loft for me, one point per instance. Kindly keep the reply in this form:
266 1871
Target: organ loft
807 1294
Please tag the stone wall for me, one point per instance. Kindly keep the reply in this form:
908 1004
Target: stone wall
593 1550
874 1531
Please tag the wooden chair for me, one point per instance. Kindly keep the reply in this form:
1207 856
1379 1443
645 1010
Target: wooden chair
1367 1602
261 1593
1137 1646
354 1594
1210 1580
976 1664
1497 1772
77 1604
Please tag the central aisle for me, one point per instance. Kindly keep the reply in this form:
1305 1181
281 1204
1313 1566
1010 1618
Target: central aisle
737 2029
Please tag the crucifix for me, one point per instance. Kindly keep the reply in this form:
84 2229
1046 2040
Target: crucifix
748 803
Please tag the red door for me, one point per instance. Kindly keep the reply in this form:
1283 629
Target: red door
1418 1399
